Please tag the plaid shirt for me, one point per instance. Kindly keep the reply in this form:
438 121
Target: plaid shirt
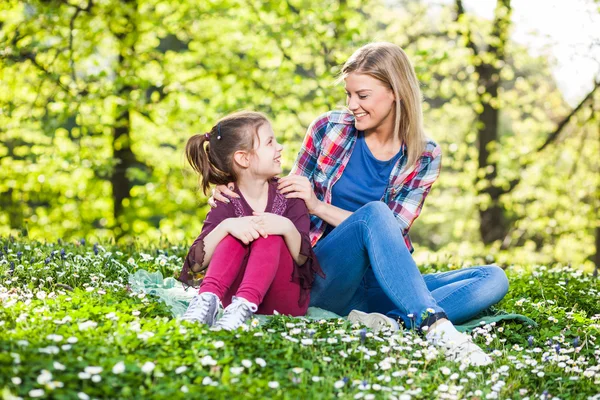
326 151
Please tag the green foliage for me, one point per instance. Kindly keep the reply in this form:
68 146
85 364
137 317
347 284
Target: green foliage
72 328
76 74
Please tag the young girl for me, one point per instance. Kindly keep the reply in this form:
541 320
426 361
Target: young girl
256 247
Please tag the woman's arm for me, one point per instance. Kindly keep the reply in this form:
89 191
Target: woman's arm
331 214
299 187
306 161
406 202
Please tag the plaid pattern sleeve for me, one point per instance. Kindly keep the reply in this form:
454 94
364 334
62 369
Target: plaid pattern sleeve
307 157
409 197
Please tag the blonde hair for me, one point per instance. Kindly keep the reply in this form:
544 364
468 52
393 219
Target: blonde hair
389 64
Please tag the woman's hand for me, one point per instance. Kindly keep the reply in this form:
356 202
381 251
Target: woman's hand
273 224
245 229
299 187
217 194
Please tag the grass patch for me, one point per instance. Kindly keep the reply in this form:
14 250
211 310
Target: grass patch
71 329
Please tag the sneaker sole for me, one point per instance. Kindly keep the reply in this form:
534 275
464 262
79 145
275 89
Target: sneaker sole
375 321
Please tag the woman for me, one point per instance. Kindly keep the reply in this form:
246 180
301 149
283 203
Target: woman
364 174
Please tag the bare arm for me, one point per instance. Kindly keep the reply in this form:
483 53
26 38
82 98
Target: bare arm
218 194
293 241
329 213
244 229
295 186
212 240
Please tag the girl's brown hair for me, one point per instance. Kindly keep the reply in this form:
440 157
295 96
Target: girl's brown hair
211 154
389 64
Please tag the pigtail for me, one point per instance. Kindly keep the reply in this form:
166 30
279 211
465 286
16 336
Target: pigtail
197 152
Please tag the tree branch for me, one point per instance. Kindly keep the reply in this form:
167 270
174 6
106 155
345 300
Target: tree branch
31 57
78 10
460 12
552 137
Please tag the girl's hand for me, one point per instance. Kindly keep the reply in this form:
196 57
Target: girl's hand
217 194
299 187
273 224
245 229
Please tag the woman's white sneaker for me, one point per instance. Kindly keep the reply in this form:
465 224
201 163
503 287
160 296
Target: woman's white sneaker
458 346
375 321
236 314
203 309
464 350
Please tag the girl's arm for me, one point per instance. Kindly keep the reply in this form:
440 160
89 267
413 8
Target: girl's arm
297 213
212 239
293 241
244 229
273 224
294 226
195 260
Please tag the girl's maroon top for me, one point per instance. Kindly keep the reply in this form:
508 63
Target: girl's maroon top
293 209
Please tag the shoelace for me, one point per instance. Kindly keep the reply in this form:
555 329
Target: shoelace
189 314
229 318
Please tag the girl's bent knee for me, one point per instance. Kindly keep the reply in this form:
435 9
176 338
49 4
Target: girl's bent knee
270 240
230 242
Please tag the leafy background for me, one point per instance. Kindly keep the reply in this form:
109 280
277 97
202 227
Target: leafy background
99 97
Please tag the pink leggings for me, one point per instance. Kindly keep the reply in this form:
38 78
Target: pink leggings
265 279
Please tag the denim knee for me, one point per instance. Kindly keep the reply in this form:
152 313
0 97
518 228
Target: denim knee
376 210
498 282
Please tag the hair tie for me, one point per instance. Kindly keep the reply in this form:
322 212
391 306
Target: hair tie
219 131
207 136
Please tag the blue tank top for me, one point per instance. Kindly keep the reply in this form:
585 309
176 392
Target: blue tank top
364 180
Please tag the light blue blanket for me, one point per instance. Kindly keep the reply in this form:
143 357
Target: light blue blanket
172 293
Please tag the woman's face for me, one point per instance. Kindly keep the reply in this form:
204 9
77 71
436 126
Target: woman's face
371 101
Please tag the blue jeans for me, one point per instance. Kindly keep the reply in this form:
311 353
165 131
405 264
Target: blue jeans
369 268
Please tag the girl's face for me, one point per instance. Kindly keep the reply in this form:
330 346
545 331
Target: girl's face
371 102
265 161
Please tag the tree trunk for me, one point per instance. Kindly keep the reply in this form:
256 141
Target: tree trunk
492 221
13 208
597 255
124 158
122 155
493 224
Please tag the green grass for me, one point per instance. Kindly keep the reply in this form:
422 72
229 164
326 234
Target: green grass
70 328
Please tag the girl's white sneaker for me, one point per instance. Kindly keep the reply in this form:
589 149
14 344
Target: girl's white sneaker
203 309
236 314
